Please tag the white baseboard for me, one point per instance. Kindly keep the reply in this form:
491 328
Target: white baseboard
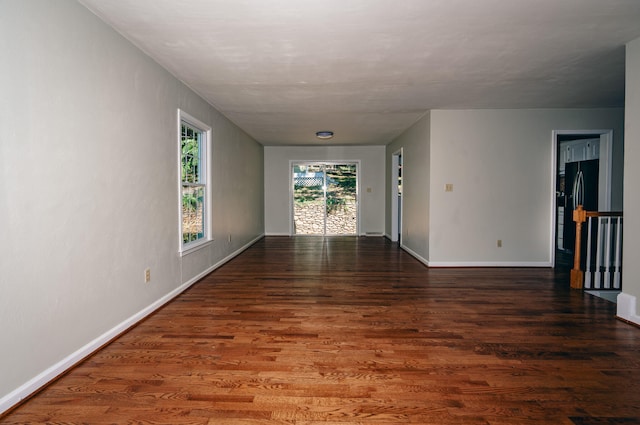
388 236
626 305
226 259
489 264
470 264
34 384
415 255
278 234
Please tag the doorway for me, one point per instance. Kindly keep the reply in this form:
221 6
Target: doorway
582 177
325 198
396 197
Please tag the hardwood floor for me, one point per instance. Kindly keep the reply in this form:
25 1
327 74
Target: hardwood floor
355 331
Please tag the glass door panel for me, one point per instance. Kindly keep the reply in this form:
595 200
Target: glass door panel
308 199
341 207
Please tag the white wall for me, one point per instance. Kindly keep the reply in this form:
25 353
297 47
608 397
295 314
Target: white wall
277 183
89 188
628 300
416 163
500 165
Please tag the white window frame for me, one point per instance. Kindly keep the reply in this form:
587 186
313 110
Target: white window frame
205 170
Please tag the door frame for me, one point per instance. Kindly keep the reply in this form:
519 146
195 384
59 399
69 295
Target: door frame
397 209
604 176
293 163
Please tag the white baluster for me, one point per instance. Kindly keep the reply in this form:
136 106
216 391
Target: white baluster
588 272
607 256
598 254
618 263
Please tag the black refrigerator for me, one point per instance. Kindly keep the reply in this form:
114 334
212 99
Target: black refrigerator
581 188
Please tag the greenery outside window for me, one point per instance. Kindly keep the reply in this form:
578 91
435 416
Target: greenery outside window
194 182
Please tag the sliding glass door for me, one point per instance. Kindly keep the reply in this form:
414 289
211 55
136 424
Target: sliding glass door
325 198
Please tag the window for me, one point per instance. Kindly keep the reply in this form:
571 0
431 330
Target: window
194 182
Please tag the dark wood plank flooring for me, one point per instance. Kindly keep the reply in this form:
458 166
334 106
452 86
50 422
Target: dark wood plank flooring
355 331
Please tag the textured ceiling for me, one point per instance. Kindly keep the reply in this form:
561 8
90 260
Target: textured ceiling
368 69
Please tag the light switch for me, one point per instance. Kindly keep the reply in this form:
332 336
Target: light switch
368 190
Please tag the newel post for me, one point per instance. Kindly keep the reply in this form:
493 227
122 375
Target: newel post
577 275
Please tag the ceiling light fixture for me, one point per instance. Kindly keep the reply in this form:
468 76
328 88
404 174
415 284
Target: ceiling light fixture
324 134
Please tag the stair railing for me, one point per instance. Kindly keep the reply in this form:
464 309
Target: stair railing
602 250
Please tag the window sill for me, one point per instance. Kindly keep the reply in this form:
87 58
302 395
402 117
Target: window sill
194 248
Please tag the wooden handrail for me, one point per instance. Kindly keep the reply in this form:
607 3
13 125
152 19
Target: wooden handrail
604 213
577 275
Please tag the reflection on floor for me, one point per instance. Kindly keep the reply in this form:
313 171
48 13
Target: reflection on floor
607 295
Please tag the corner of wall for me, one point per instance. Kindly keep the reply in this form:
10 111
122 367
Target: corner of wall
626 304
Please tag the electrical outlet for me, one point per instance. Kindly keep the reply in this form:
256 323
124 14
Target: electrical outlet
448 187
499 243
147 275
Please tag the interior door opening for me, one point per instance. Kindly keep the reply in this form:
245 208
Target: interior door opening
582 177
396 197
325 198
